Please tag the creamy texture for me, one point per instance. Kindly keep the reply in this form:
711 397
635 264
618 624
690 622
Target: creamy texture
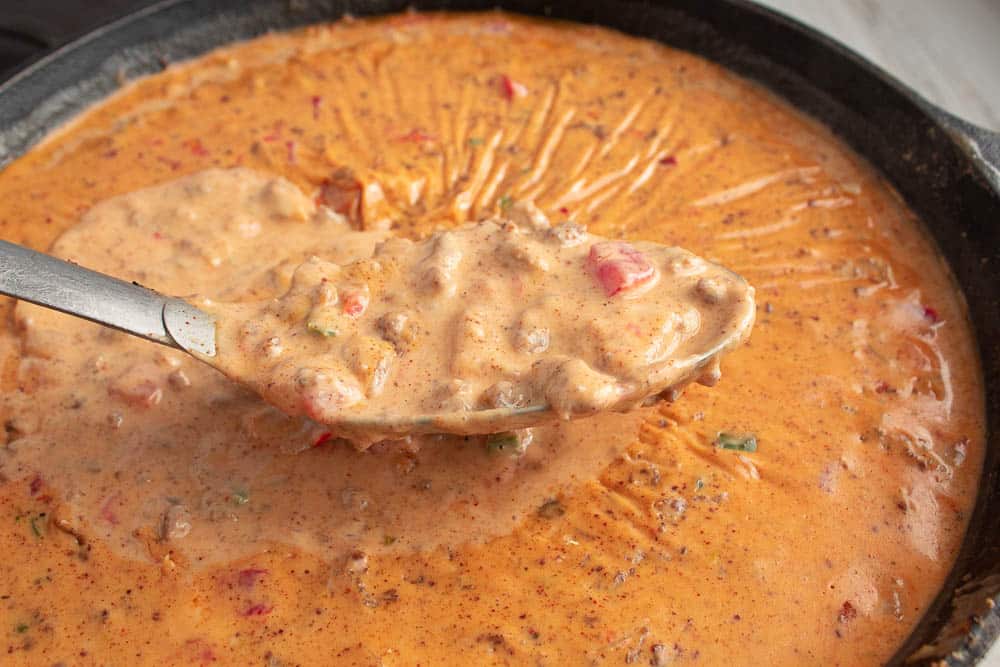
179 526
504 313
250 477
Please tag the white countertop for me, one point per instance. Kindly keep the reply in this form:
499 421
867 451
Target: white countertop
946 50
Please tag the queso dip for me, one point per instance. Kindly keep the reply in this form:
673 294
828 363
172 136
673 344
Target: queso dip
805 510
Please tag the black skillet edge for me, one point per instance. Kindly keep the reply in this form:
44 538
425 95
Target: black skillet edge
939 164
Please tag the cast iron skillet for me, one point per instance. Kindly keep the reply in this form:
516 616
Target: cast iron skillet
947 170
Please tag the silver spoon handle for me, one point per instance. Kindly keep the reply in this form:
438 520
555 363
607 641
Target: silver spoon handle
47 281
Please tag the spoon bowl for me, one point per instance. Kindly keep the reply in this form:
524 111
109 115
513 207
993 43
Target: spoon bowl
51 282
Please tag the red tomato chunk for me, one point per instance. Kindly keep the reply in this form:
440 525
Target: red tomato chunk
618 266
512 89
355 302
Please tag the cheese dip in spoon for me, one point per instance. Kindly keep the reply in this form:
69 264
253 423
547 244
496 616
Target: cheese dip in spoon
501 324
504 323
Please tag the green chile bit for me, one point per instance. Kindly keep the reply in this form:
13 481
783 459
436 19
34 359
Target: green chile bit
746 442
508 442
240 496
551 509
36 526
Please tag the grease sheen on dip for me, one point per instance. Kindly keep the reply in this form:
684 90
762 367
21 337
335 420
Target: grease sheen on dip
153 512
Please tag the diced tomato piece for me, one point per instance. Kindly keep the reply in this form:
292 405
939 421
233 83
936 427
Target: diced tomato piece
416 136
511 88
324 437
196 147
107 511
618 266
354 302
250 576
258 610
194 652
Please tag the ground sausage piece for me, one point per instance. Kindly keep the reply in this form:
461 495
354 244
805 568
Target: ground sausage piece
441 264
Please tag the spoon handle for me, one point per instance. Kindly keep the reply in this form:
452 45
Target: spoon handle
47 281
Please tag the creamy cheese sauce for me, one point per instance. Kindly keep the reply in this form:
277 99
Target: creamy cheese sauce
248 480
152 511
506 314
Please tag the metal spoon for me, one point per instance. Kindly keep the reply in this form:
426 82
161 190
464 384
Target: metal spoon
47 281
69 288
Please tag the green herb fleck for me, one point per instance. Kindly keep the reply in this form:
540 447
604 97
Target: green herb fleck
21 628
507 442
475 141
506 202
240 496
321 328
551 509
389 540
36 526
699 484
738 442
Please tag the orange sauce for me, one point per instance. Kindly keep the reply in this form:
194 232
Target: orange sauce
626 538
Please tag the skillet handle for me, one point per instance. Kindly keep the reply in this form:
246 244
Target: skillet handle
980 144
